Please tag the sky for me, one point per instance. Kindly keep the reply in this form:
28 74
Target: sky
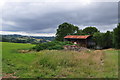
42 18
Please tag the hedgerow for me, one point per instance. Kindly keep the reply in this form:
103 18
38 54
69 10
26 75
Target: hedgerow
54 45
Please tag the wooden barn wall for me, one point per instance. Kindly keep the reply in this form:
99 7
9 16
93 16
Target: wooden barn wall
83 42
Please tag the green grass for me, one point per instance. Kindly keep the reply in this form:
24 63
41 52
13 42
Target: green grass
14 61
58 63
111 58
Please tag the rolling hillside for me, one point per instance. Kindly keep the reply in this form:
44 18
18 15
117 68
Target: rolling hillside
57 63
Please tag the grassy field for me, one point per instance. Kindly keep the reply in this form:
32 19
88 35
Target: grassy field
58 63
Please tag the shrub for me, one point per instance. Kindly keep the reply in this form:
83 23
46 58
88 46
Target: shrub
54 45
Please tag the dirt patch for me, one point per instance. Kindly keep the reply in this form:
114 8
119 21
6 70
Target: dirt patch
24 51
10 75
110 49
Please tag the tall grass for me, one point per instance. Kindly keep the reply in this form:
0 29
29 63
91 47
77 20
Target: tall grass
54 63
111 63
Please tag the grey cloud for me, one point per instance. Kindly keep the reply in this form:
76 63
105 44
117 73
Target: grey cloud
45 17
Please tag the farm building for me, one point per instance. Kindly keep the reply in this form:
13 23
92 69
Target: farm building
81 40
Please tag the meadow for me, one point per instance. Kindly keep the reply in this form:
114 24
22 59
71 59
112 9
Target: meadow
57 63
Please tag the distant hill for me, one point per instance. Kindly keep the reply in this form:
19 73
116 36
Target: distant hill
43 37
25 39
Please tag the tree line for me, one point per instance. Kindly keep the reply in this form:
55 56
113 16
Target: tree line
108 39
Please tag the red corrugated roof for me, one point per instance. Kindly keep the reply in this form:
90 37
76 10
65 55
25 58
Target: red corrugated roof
77 36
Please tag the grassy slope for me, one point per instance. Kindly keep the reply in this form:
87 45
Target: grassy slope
53 63
12 60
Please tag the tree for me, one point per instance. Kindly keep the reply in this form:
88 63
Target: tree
65 29
103 40
90 30
98 38
116 37
108 39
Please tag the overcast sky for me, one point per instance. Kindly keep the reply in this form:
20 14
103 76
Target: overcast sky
42 18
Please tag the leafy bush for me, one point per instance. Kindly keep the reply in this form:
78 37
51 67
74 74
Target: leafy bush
54 45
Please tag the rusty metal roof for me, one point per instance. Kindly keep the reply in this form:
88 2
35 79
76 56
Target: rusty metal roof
77 36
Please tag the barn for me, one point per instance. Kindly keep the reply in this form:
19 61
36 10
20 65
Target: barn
81 40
